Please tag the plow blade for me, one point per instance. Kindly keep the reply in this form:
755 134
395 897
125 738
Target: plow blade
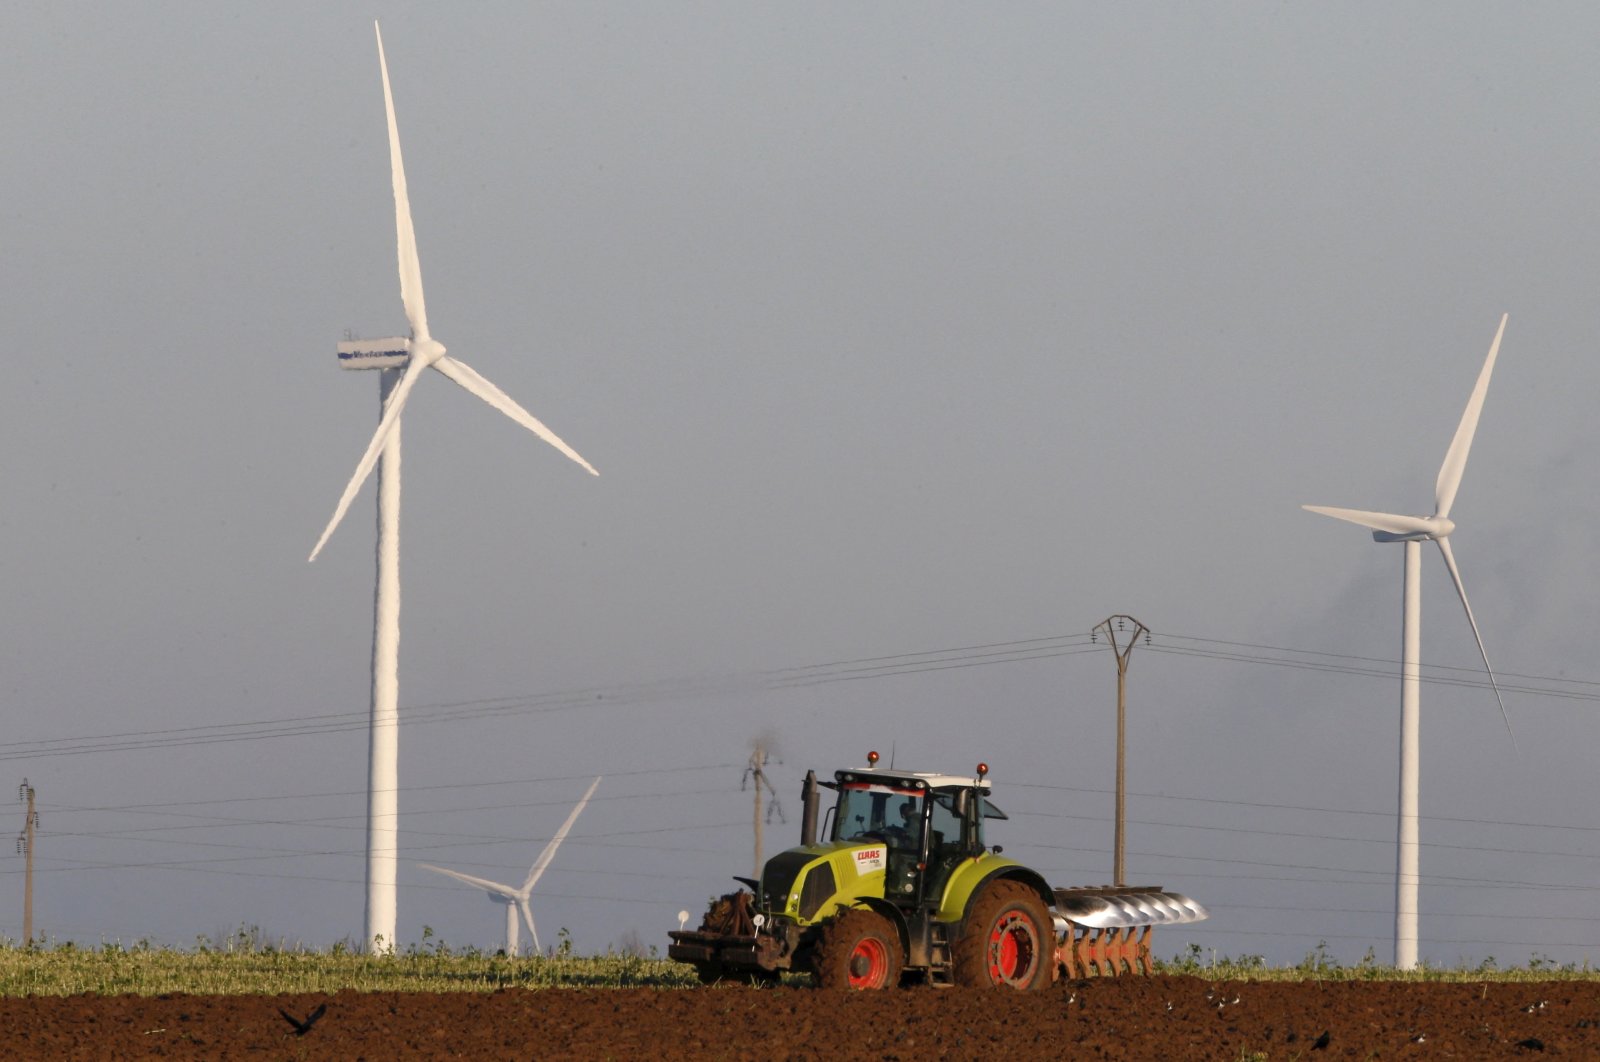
1107 931
1121 908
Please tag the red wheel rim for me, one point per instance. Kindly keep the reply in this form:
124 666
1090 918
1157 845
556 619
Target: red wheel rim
869 964
1013 949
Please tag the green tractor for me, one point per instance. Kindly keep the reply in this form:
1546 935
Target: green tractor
905 888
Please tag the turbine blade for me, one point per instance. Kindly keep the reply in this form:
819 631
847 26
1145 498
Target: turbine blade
405 234
1391 522
482 883
549 853
1455 459
527 914
1455 574
473 382
391 414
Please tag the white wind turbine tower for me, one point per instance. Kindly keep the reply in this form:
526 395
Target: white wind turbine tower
404 360
1413 531
516 899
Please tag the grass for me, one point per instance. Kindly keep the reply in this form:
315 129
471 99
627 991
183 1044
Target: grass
248 964
1318 965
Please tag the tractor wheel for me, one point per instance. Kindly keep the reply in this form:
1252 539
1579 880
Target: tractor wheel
1008 939
857 949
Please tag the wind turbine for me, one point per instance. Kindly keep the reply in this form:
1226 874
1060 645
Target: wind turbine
404 361
1413 531
516 899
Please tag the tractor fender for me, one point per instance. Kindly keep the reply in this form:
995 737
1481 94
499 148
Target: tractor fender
896 917
969 881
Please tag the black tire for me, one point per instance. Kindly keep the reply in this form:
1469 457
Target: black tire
712 973
1008 940
857 949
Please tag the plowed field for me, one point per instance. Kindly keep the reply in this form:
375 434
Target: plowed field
1130 1018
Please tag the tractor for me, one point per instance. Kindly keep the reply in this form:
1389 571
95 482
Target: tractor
905 889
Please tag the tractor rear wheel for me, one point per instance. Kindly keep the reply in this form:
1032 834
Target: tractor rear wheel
1008 939
857 949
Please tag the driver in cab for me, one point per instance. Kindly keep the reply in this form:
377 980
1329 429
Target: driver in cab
905 834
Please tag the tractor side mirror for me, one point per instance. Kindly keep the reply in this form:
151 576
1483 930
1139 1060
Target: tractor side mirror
969 809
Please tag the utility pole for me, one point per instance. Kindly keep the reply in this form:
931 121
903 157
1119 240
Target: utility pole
25 848
756 776
1117 633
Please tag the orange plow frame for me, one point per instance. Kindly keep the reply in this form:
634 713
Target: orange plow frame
1083 951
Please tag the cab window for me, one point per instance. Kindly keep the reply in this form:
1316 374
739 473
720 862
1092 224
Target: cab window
873 812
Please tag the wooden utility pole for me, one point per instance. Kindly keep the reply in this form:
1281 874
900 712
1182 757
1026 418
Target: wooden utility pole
1122 642
756 776
25 848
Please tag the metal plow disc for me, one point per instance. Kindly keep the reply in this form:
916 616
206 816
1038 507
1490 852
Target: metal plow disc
1120 909
1107 931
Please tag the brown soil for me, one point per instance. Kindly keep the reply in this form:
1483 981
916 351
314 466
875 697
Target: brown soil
1125 1018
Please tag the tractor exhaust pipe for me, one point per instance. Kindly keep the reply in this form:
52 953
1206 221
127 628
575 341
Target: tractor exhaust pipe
808 812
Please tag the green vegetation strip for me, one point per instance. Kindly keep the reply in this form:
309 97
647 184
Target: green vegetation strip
1318 965
247 965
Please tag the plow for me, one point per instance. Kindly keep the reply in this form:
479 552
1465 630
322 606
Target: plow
900 885
1106 931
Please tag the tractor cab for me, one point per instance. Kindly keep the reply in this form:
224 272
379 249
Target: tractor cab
929 824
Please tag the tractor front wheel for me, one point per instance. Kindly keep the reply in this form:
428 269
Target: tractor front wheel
857 949
1008 939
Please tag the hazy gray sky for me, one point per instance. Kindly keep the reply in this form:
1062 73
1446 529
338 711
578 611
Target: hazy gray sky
891 329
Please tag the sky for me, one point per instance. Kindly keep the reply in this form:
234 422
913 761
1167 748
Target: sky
911 341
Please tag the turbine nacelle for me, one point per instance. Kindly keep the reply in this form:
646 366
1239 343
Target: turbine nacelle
391 353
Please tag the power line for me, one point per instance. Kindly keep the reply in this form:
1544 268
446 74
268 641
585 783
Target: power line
1302 836
1384 661
339 821
409 789
1301 807
348 822
595 839
848 670
186 864
608 697
1374 667
354 822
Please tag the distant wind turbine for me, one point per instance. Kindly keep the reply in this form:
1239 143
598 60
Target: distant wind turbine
516 899
1413 531
404 361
